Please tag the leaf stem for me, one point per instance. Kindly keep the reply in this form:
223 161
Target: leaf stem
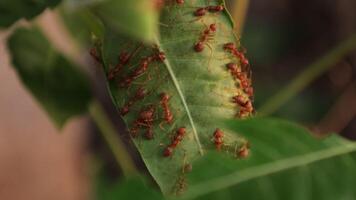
116 145
182 97
308 75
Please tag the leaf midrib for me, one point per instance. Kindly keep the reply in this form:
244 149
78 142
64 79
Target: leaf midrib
181 96
266 169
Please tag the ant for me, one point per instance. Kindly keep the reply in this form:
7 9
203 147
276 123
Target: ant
168 116
245 77
124 58
134 130
243 151
231 47
145 120
234 70
206 36
239 99
180 2
94 54
140 94
218 139
212 9
146 116
149 133
143 66
176 140
246 107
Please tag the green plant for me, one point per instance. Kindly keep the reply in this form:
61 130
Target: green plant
169 67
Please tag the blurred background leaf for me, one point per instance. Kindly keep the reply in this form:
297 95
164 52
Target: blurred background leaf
13 10
286 162
58 84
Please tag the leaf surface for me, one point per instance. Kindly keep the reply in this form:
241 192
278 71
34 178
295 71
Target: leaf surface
198 84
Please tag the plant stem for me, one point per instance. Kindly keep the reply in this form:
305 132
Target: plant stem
308 75
116 145
239 13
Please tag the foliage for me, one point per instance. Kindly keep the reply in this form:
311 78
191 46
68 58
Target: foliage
11 11
180 75
285 162
59 85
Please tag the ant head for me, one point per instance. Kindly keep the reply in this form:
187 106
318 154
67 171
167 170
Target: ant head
229 46
180 2
161 56
200 12
199 46
232 66
212 27
181 131
164 96
218 133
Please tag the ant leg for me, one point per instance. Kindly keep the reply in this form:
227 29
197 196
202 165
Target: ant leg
211 55
163 24
137 49
161 126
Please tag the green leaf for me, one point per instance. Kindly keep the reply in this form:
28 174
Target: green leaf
132 188
135 18
286 162
61 88
13 10
200 87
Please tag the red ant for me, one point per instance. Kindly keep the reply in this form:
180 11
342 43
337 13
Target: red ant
180 2
140 94
234 70
149 133
246 107
239 99
207 35
249 91
213 9
134 130
232 48
236 73
145 62
176 140
244 78
200 12
244 151
124 58
145 120
168 116
218 139
94 54
146 116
